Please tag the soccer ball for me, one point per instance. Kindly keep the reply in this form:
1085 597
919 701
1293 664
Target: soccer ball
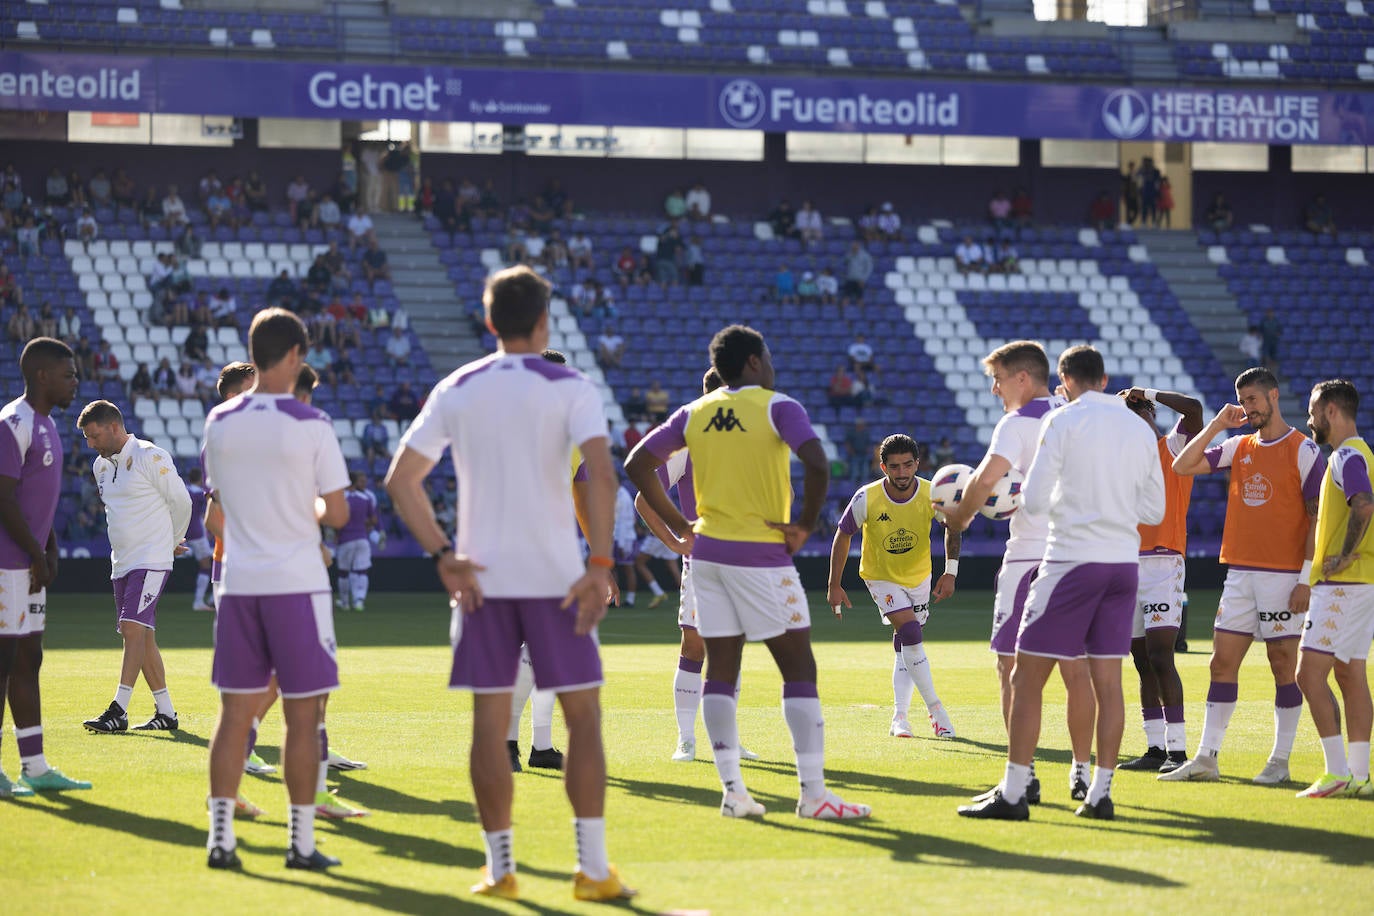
1005 498
948 485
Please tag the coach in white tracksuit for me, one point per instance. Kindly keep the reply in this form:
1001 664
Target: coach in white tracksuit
148 509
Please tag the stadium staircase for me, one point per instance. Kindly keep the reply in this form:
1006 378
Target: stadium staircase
366 27
424 290
1147 53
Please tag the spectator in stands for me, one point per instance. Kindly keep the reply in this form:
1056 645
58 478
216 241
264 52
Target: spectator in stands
282 291
999 210
187 388
328 213
123 189
580 251
56 191
1164 207
380 403
698 202
858 448
1270 332
624 267
644 270
207 375
555 253
635 408
322 328
159 279
858 267
46 321
397 318
190 244
150 208
224 309
343 367
1022 207
297 191
582 297
1219 215
1252 345
657 403
785 286
610 348
969 257
516 250
783 219
404 405
488 201
469 195
321 358
255 193
395 163
11 293
375 266
200 309
13 198
1148 176
85 357
178 276
667 256
340 277
944 452
165 380
861 360
1130 193
77 187
141 384
424 198
449 209
889 222
840 391
69 326
173 210
307 215
810 226
100 190
220 209
541 215
807 290
210 185
1317 218
29 237
519 214
1004 258
694 262
398 348
196 346
374 439
318 279
1102 212
348 321
675 204
238 203
827 287
21 327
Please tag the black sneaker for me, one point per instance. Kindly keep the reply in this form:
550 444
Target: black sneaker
316 861
113 719
1104 810
514 748
226 859
1173 761
1079 790
159 723
1152 759
1033 792
996 808
550 758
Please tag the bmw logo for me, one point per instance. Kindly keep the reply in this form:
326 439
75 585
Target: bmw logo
742 103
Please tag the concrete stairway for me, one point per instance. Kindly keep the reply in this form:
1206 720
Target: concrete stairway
366 27
423 288
1147 54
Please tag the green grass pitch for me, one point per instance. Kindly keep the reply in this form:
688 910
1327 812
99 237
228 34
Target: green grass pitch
135 844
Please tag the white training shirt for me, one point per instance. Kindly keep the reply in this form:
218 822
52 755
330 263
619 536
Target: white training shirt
266 458
511 422
147 507
1015 438
624 532
1097 477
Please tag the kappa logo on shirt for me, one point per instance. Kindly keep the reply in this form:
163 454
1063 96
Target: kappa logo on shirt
884 517
724 421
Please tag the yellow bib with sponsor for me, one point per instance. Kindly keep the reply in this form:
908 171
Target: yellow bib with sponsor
739 466
1333 514
896 543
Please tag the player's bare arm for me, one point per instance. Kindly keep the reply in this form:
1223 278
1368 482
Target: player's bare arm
405 483
1302 592
1192 461
990 470
839 555
51 554
657 528
944 586
641 468
12 517
814 484
1361 510
214 517
590 591
1189 409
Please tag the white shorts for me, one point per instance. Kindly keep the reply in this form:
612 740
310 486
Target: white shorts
891 597
755 602
20 612
687 598
200 548
1340 620
1159 604
656 549
1254 602
355 556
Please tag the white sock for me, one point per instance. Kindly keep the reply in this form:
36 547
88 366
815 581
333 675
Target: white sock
301 831
1154 732
591 847
1175 729
221 824
1080 770
902 688
359 588
686 700
163 699
32 761
1014 782
630 597
918 669
520 695
1101 786
500 853
654 587
124 693
1358 760
1333 749
202 583
541 717
320 785
1286 720
718 713
802 710
1215 720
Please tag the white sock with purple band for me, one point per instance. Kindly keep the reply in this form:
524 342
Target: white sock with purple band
916 663
1221 705
801 707
32 762
687 697
1175 729
1287 716
1153 717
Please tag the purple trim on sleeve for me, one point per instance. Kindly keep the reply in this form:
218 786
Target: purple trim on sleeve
847 524
668 437
464 373
294 408
791 422
1213 456
1354 475
237 403
581 475
1312 483
1035 409
1181 431
551 371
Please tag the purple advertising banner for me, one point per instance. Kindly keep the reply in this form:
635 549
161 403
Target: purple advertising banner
1030 109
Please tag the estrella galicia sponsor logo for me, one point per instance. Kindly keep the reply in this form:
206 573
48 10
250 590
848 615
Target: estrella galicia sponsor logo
1125 114
724 421
900 541
742 103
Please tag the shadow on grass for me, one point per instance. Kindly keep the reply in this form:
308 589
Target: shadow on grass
390 897
71 806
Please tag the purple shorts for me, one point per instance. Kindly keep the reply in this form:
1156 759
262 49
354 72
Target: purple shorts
292 635
1014 580
1077 609
486 646
624 553
136 595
